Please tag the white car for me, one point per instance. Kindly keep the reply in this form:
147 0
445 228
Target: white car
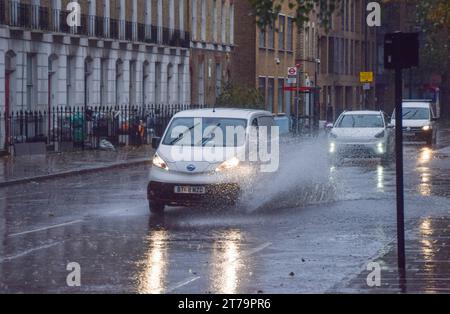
185 173
359 134
419 121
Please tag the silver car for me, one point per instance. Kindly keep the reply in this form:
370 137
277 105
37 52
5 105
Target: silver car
362 134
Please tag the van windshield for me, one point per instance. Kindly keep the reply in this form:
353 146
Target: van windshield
416 114
216 132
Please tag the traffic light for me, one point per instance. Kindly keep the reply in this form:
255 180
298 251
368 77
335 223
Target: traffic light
401 50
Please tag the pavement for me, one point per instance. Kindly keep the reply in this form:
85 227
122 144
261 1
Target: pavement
427 259
17 170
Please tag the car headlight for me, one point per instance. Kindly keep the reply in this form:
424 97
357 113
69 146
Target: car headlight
380 135
229 164
160 163
426 128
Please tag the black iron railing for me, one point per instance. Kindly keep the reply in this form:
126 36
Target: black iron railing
34 17
86 126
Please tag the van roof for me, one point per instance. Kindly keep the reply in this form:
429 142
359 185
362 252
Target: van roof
362 112
222 113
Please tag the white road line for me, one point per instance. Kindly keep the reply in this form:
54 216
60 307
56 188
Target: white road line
182 284
9 258
255 250
45 228
191 280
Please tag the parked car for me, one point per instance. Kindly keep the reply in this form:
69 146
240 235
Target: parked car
419 121
195 178
362 134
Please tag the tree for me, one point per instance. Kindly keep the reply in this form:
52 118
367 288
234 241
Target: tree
240 97
267 11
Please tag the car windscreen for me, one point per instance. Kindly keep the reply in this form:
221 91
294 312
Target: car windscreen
416 113
361 121
217 132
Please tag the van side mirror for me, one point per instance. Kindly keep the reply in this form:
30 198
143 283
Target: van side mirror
155 142
391 125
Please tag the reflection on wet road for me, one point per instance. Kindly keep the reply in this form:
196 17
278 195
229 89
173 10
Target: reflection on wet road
101 221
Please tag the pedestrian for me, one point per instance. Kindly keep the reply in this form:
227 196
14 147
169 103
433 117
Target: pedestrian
141 132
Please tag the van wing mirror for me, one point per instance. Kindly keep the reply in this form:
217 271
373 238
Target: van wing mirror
155 142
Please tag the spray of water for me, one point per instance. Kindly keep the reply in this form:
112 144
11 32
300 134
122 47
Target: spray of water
302 179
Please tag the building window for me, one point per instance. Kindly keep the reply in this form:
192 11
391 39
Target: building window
290 34
30 79
103 81
262 38
270 93
201 82
194 20
203 32
145 79
231 32
271 43
224 21
180 83
169 92
158 82
353 16
281 33
119 82
280 95
214 20
262 87
218 79
132 89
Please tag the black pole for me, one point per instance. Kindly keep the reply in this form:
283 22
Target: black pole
399 162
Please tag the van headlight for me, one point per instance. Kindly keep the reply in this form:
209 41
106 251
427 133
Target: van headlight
426 128
158 162
229 164
332 148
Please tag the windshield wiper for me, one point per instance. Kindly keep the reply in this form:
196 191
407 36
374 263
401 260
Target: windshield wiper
208 138
181 136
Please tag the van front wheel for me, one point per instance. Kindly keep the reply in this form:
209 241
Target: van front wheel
156 207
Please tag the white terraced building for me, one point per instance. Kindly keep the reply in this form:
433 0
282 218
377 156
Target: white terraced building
124 52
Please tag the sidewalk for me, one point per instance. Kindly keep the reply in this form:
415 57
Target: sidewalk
427 262
16 170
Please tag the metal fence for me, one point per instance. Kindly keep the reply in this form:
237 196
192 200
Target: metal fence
85 127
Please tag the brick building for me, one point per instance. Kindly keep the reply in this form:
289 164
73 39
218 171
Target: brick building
261 58
346 50
212 41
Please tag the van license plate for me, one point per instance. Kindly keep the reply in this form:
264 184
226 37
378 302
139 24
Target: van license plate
190 190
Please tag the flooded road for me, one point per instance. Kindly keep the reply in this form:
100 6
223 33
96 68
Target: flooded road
304 231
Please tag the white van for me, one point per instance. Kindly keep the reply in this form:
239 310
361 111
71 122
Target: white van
198 159
419 121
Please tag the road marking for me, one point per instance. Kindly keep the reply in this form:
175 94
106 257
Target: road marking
191 280
9 258
182 284
255 250
45 228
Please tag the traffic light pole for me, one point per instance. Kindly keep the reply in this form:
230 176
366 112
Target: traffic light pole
400 183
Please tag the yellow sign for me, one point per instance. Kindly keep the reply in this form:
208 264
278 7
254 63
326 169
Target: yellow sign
366 77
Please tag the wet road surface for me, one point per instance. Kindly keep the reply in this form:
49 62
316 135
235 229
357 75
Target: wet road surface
285 238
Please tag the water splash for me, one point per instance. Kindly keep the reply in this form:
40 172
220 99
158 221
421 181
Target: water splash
302 179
